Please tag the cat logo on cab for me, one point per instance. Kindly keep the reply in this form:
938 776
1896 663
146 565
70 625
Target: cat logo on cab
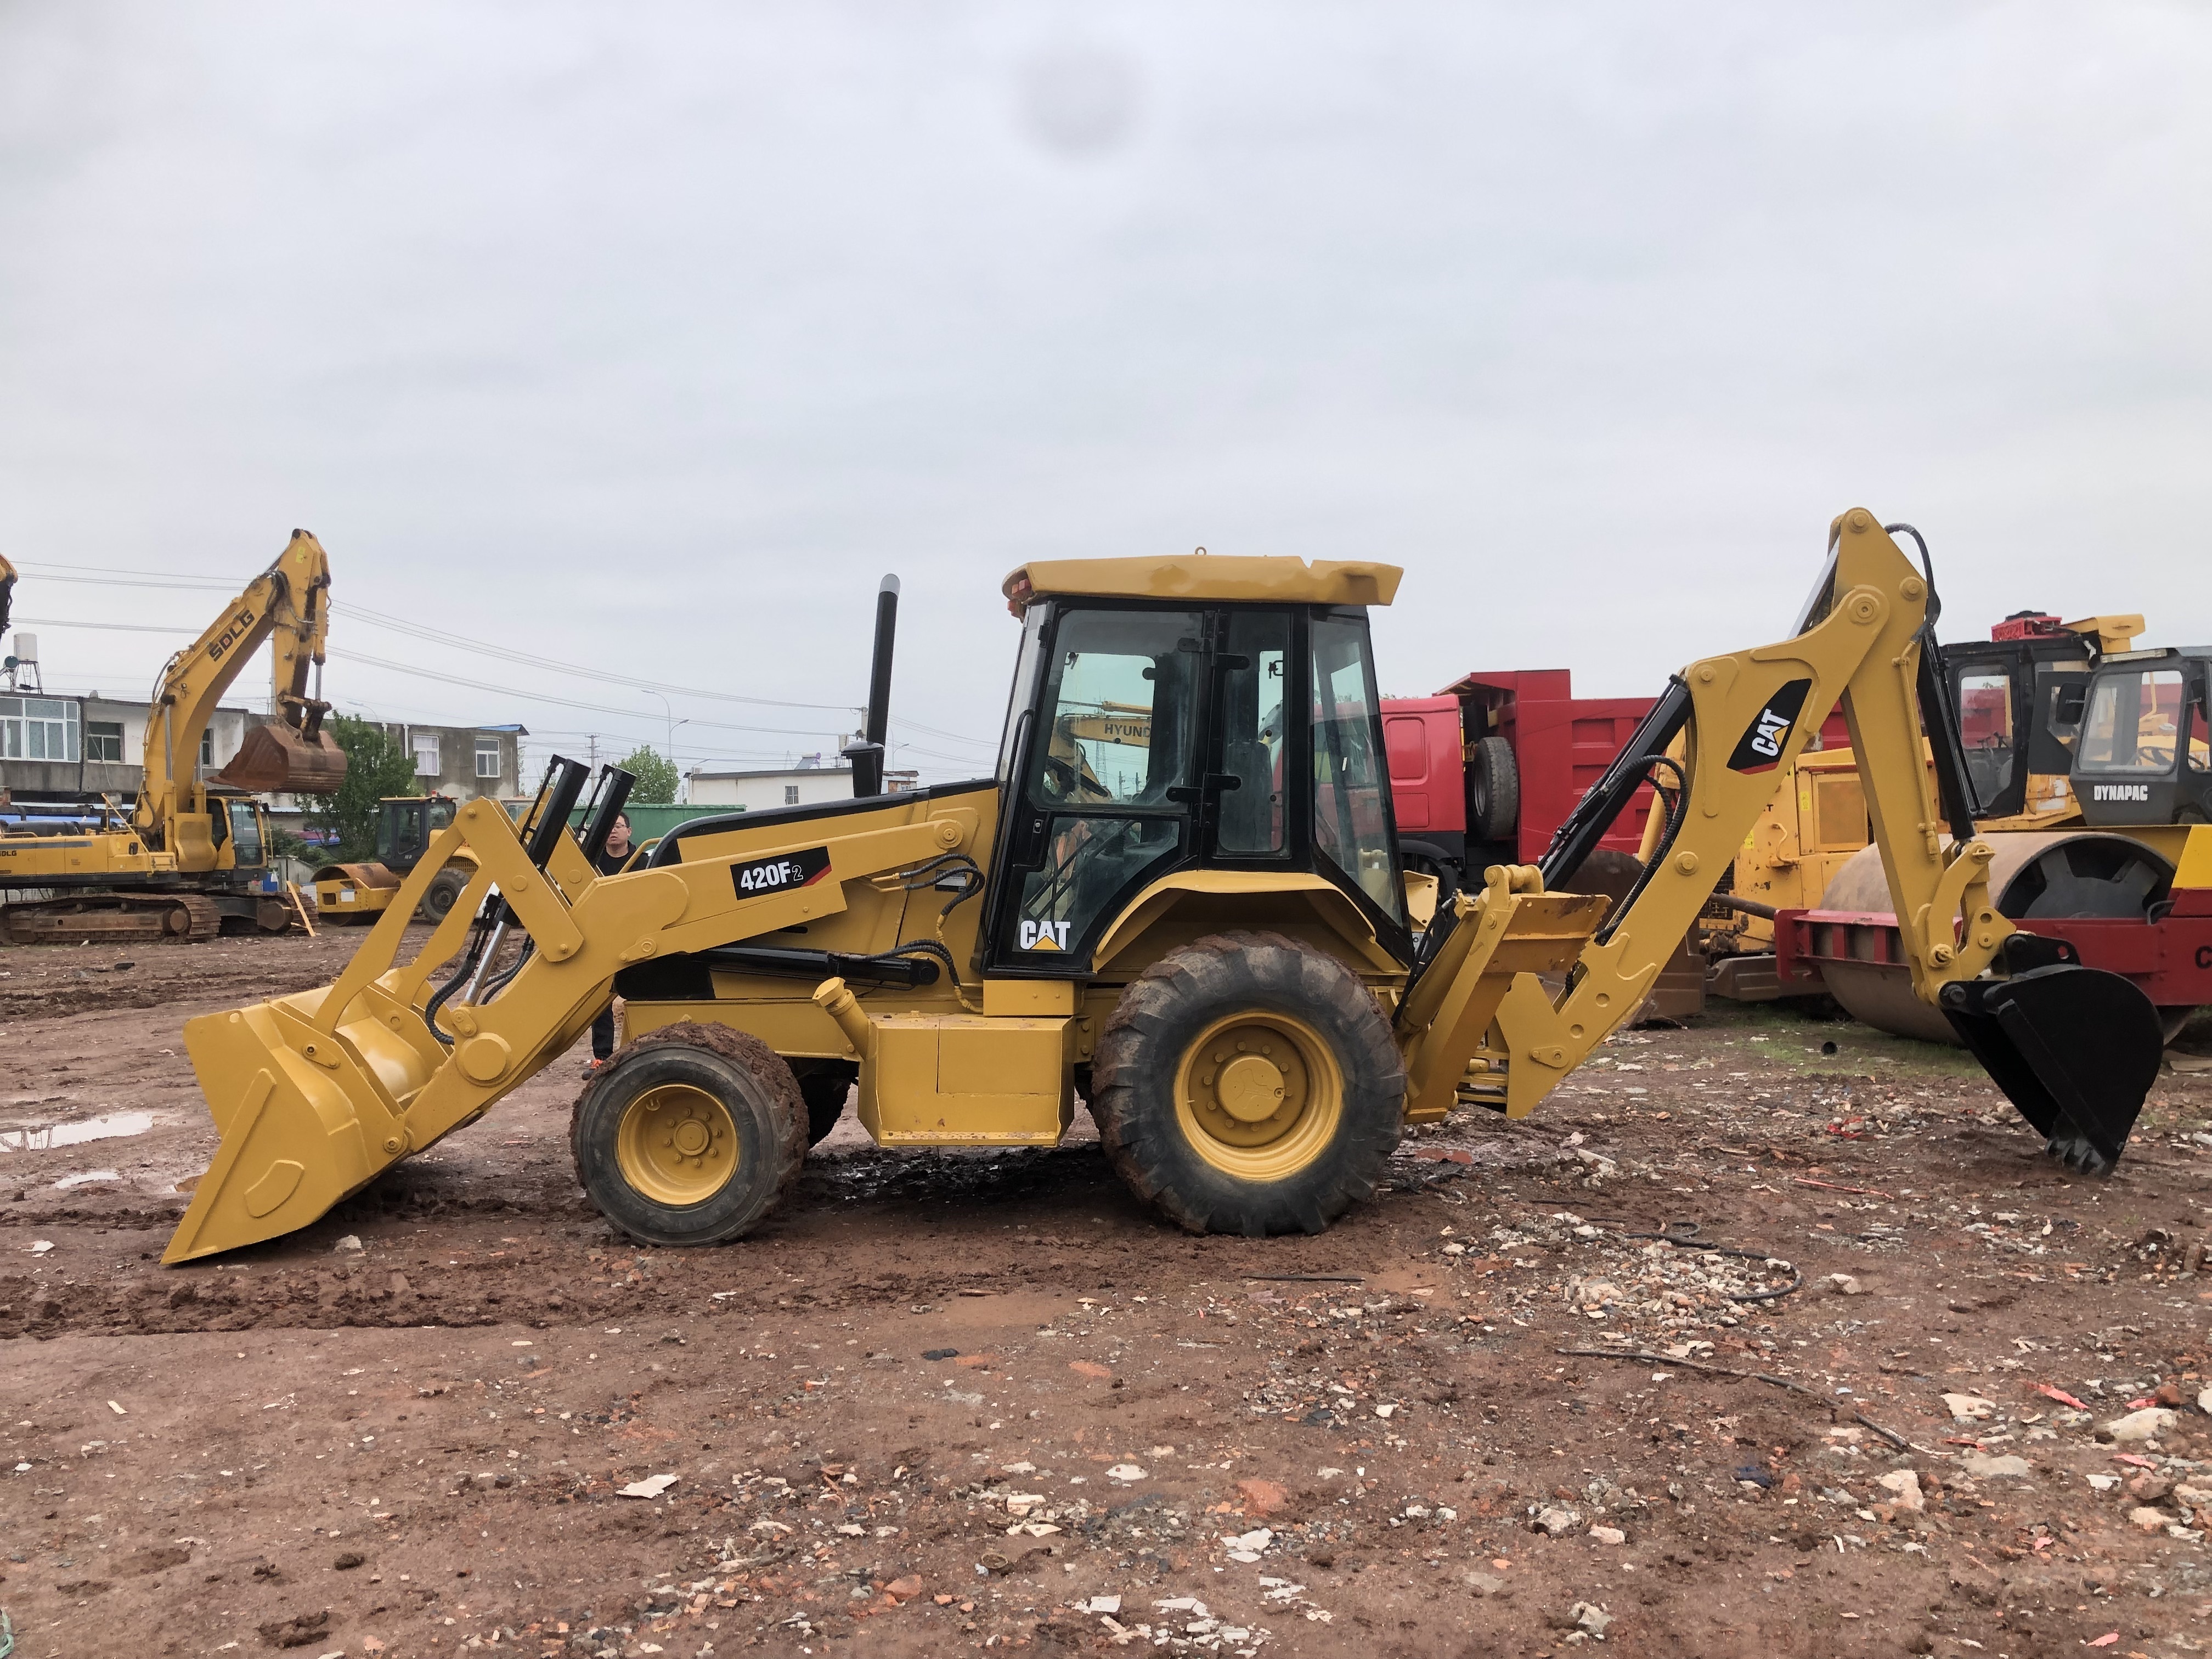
1044 935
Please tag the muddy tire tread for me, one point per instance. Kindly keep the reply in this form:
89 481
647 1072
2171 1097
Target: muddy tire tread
741 1049
1224 969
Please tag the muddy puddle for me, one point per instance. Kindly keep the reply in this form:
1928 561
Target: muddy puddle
113 1126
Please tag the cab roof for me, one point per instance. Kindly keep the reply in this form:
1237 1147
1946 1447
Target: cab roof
1208 578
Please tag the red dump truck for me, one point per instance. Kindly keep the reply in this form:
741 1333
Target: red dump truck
1483 772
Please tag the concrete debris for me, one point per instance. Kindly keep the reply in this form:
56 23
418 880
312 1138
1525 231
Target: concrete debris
1969 1407
2148 1424
1590 1617
1903 1488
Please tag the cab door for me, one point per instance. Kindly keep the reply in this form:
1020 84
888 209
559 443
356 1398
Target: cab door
1105 784
247 844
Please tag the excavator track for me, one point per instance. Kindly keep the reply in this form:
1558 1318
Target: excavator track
113 918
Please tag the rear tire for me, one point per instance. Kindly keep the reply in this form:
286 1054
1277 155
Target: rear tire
445 891
1209 1038
693 1134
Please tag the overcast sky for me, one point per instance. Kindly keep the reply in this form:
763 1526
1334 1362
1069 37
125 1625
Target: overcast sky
647 338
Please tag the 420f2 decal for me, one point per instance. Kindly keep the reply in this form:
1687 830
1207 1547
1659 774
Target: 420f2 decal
781 874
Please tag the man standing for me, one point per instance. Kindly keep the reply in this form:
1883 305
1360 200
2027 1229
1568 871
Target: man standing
616 855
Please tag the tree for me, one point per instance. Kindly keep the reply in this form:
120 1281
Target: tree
376 766
656 776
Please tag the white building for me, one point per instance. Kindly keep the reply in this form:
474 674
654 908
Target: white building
69 746
783 785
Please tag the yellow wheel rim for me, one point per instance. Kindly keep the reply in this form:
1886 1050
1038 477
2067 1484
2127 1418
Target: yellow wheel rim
677 1145
1259 1095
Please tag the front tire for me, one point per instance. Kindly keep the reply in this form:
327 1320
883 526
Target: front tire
1248 1084
691 1135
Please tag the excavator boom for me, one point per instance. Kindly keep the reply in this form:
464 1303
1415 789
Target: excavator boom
287 606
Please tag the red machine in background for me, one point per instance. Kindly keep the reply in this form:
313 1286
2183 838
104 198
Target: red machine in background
1484 771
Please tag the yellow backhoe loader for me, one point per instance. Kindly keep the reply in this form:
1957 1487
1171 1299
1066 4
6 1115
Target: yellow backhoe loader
191 858
1205 935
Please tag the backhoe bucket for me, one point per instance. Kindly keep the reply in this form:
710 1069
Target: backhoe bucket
2076 1048
306 1119
276 757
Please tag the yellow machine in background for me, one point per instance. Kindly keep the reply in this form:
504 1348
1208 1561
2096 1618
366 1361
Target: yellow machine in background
406 824
191 857
1203 936
1816 825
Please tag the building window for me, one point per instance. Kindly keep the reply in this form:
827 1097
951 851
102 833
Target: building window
207 747
426 754
488 757
103 741
38 728
791 795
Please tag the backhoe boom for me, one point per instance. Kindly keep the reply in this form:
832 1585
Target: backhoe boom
1742 717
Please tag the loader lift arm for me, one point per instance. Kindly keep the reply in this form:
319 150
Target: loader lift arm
2075 1049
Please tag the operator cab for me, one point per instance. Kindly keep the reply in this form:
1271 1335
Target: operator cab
2018 696
1150 736
2143 751
404 826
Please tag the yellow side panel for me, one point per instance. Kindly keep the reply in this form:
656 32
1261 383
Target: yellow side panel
1045 997
968 1080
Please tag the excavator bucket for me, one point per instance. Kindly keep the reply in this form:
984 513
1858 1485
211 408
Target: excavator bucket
276 757
2076 1048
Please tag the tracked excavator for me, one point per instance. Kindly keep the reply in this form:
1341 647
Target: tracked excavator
1200 929
190 857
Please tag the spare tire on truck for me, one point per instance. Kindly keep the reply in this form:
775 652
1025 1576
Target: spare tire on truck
1494 791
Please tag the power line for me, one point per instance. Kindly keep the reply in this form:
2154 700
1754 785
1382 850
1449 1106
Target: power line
443 636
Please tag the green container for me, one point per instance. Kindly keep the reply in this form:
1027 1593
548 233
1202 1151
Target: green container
652 822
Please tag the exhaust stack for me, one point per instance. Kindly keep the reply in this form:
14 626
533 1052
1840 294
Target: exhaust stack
867 755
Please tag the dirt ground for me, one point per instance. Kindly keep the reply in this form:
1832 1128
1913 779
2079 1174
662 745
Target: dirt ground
947 1401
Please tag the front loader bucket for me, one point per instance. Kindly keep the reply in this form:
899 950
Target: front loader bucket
2076 1048
276 757
306 1119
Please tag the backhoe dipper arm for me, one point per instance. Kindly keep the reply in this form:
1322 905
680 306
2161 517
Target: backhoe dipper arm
289 602
1742 719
